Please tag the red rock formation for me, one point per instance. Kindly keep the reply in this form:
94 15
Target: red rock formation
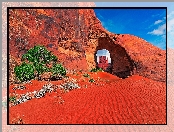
12 65
76 35
103 62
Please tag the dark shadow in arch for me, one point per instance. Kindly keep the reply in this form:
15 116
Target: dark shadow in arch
121 63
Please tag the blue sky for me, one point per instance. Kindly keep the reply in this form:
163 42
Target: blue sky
147 24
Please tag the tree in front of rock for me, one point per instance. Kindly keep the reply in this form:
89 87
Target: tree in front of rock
37 61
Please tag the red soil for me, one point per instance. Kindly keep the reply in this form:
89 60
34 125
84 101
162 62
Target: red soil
109 100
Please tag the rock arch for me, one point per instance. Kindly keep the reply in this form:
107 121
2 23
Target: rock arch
76 46
122 65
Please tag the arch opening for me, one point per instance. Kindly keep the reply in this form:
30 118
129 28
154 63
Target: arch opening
121 64
103 60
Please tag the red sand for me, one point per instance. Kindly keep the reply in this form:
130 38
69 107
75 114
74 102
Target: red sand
134 100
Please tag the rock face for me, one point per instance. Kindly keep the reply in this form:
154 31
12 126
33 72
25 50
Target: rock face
12 65
103 62
75 35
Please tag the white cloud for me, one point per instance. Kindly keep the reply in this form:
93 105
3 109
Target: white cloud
158 22
161 30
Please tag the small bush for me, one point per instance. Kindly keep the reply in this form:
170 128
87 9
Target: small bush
12 99
96 69
39 54
41 60
91 80
24 72
58 69
86 75
40 68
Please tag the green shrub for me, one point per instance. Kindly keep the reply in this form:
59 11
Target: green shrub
12 99
24 72
96 69
40 68
40 56
58 69
86 75
91 80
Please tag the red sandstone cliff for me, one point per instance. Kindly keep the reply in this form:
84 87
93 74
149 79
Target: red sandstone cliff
75 35
103 62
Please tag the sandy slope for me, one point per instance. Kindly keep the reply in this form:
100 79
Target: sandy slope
110 100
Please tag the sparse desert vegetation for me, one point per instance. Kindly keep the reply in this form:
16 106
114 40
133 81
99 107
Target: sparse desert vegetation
90 95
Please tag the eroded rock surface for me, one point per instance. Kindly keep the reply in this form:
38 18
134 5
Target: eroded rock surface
12 64
75 35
